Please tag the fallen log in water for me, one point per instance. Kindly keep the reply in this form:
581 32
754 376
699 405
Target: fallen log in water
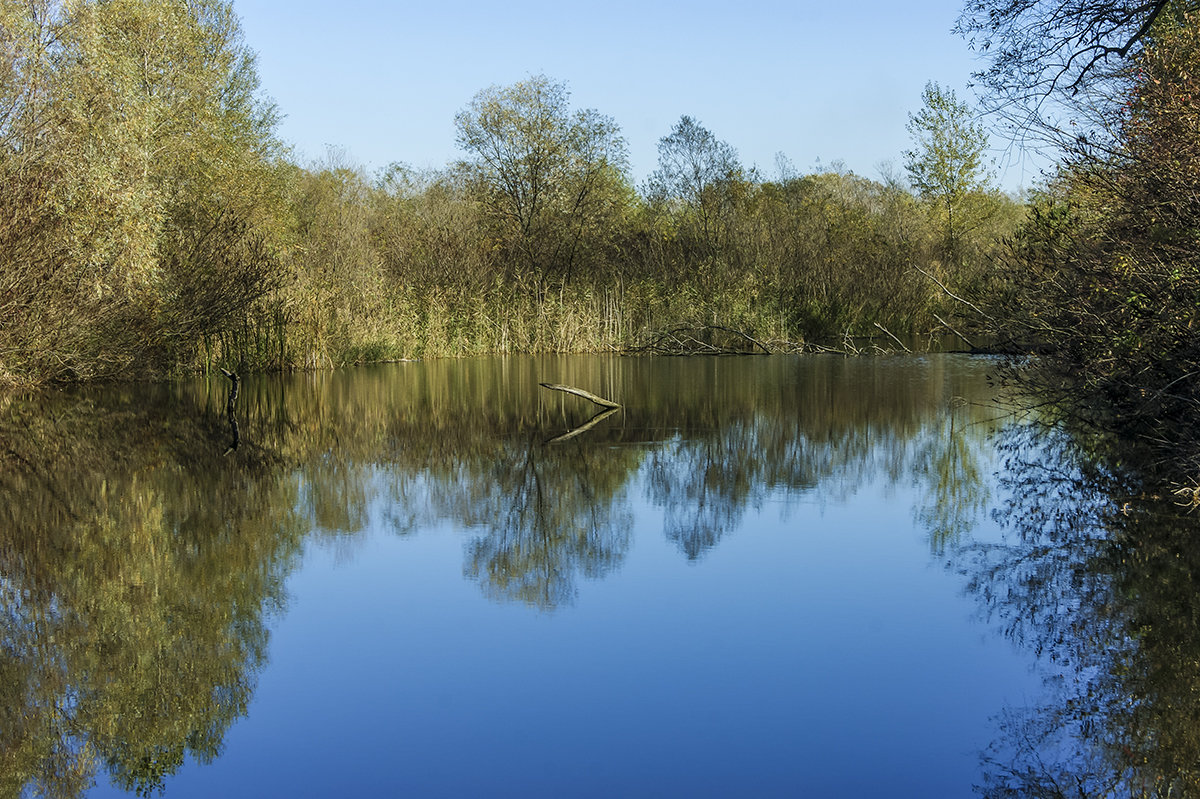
579 392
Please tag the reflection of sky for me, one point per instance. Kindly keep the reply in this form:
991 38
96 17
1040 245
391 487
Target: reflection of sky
817 649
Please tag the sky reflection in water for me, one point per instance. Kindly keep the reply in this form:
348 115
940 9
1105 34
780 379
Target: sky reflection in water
764 576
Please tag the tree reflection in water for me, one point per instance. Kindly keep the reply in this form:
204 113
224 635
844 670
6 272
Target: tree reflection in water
140 562
556 511
704 487
137 571
1101 582
948 465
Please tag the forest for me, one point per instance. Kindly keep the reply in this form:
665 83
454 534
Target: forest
153 224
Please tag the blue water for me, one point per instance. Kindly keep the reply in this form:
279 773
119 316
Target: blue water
800 635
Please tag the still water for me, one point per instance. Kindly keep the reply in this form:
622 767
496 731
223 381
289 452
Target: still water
772 576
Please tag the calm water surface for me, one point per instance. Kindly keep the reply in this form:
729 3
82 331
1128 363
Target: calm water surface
761 577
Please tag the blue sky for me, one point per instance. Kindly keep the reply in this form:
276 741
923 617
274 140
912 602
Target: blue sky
818 82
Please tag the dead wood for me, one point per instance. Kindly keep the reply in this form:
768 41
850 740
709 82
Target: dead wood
579 392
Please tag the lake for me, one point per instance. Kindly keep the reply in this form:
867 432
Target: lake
762 576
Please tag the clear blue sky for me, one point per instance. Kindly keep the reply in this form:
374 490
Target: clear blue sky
813 80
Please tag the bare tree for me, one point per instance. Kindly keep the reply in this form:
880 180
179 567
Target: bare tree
1052 66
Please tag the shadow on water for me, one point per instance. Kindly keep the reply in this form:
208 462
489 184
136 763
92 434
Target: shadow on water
142 558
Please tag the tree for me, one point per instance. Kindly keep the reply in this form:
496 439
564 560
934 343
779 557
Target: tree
699 171
1049 57
133 145
1105 277
946 165
548 177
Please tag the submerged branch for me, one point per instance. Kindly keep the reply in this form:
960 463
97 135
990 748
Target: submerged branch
230 403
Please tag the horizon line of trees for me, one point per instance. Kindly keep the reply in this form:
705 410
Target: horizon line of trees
151 222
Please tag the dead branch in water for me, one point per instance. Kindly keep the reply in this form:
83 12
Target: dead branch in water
234 381
893 338
579 392
964 339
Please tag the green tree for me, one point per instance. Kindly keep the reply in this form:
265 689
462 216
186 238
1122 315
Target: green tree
134 146
549 177
702 174
946 164
339 286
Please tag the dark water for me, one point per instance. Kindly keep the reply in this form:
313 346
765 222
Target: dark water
761 577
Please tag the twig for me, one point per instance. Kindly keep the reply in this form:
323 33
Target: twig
954 296
893 338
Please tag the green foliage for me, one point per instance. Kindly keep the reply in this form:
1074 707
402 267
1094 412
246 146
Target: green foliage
134 155
545 175
150 222
838 251
946 166
947 161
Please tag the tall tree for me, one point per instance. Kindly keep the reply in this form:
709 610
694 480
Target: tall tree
135 161
946 165
547 175
700 172
1105 277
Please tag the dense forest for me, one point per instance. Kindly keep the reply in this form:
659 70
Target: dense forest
152 222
